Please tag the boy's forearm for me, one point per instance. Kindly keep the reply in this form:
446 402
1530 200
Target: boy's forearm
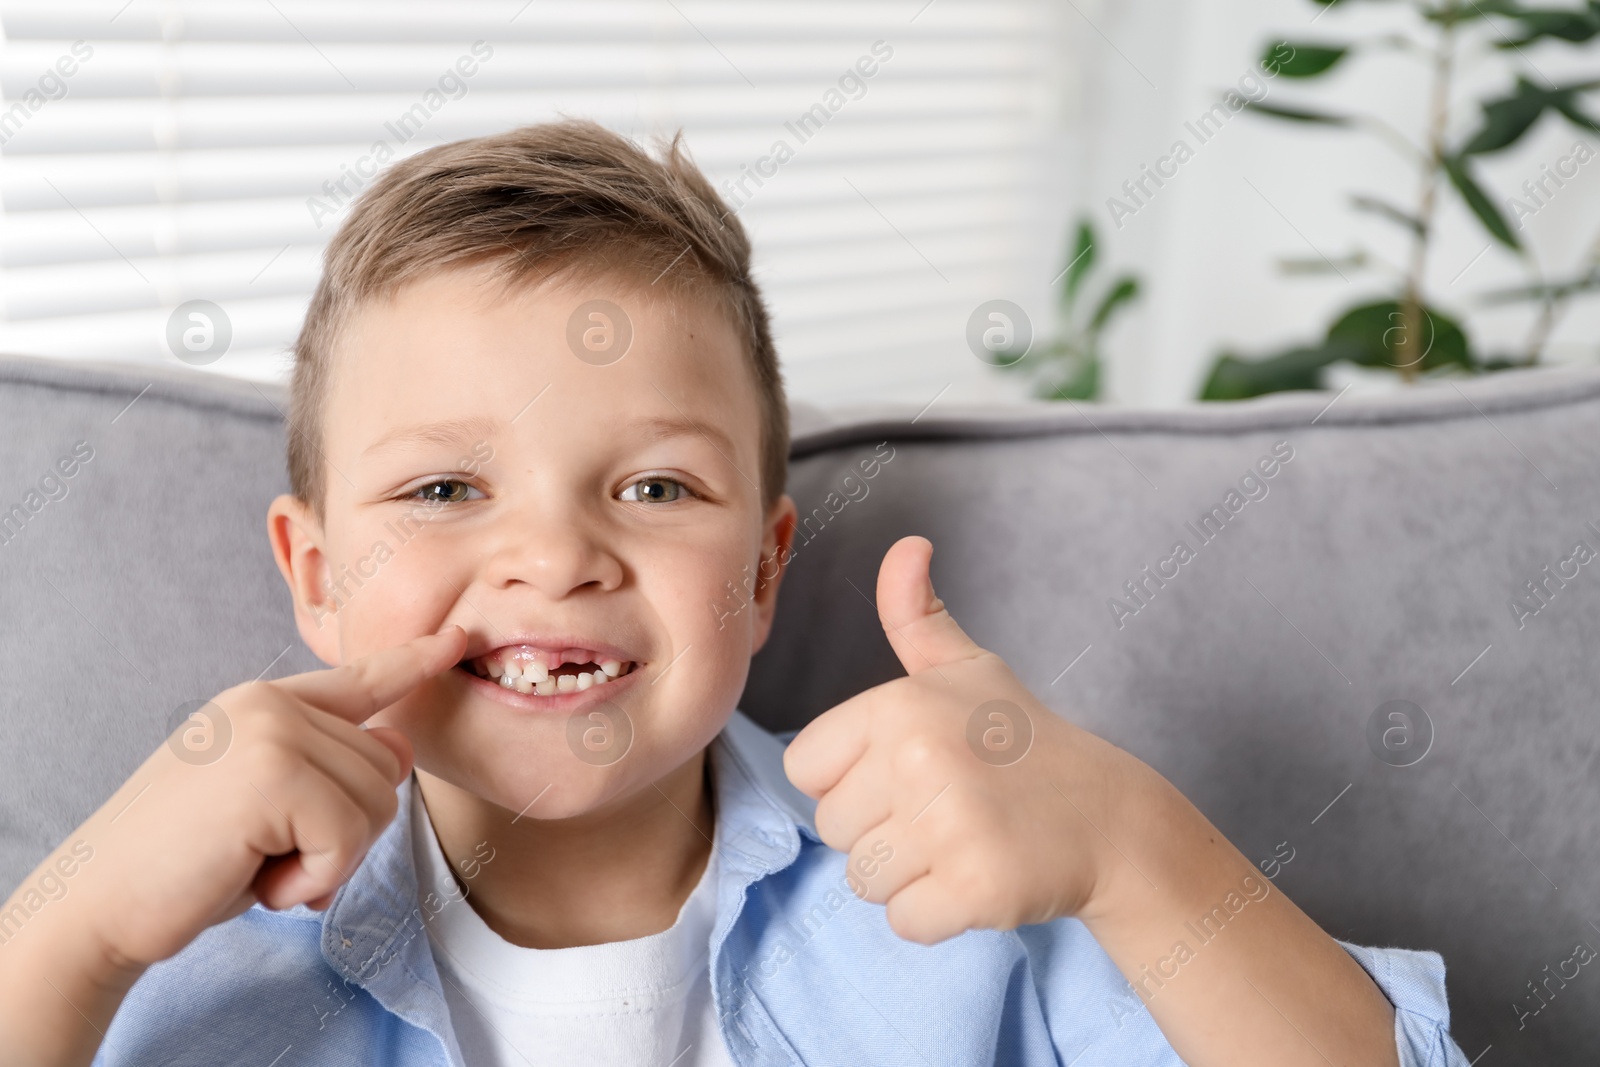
58 992
1232 971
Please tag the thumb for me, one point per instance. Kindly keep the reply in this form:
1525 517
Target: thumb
919 628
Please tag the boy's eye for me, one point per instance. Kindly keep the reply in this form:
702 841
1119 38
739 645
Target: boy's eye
654 490
443 491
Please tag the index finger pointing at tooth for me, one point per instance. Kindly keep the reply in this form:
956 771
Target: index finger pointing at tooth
362 688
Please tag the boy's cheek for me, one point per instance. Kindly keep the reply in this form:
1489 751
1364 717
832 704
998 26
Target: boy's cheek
404 595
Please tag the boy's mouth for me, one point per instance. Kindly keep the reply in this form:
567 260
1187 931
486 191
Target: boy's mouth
546 672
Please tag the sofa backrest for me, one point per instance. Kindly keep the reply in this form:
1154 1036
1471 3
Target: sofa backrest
1431 548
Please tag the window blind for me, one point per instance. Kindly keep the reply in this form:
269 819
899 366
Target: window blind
154 152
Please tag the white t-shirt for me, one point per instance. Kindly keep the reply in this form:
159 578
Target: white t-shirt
640 1002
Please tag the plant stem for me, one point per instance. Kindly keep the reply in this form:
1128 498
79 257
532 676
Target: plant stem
1546 319
1551 312
1411 349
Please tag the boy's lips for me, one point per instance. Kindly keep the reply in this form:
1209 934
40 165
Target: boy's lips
547 696
542 672
528 644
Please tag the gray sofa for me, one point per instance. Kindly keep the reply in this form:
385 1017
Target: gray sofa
1381 561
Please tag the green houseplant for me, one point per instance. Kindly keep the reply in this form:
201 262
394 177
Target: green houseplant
1068 366
1407 332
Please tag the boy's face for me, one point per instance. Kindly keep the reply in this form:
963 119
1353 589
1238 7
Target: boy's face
479 472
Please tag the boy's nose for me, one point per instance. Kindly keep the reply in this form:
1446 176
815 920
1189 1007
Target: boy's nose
551 550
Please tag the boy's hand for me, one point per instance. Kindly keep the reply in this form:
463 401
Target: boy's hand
284 815
965 803
962 801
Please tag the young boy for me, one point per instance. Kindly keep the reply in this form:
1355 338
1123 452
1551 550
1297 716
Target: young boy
538 428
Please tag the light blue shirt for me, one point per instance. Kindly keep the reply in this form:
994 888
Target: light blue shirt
802 971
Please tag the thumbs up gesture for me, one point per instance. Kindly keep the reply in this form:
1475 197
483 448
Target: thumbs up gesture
961 800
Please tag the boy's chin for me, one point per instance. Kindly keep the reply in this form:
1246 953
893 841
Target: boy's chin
557 788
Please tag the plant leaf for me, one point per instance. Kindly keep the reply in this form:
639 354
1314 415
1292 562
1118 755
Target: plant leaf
1079 265
1573 25
1389 211
1082 385
1233 378
1507 119
1548 291
1317 265
1042 355
1297 114
1301 60
1477 9
1498 363
1479 202
1485 8
1374 336
1125 289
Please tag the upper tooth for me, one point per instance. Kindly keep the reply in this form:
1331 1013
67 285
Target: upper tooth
508 666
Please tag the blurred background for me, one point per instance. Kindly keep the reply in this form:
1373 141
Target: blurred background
1140 203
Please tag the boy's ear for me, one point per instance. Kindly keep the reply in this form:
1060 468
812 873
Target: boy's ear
296 538
777 543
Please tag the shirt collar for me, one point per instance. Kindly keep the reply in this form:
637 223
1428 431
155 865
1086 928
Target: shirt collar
750 783
374 934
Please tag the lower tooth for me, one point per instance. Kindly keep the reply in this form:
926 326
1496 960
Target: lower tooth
546 687
601 678
524 684
507 682
585 681
566 683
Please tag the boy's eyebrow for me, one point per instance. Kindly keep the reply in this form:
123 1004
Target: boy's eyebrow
477 427
661 427
445 432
